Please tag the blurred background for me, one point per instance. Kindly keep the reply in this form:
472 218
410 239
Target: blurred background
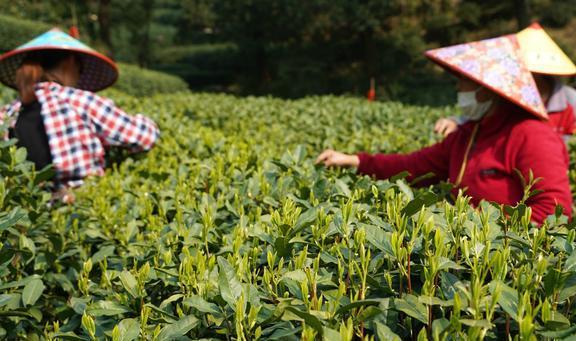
286 48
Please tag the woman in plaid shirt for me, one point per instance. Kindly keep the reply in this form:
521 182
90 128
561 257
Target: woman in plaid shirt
58 118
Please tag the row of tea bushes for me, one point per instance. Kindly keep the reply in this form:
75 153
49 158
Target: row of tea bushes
227 230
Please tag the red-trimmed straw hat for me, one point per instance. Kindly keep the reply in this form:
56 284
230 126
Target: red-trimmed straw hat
98 71
496 64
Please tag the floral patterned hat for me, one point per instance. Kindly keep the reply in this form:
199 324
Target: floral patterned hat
98 71
542 54
496 64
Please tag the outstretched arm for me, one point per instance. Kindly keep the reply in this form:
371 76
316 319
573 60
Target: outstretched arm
433 159
116 128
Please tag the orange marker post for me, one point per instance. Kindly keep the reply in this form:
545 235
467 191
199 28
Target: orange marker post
372 91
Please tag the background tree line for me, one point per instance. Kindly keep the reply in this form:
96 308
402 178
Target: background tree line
293 48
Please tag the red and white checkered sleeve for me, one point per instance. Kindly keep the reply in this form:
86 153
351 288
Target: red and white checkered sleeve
117 128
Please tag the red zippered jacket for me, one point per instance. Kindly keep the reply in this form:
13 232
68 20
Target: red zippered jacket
563 122
508 141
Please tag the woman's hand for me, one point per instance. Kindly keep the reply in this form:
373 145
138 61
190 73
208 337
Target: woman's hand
445 126
64 195
331 158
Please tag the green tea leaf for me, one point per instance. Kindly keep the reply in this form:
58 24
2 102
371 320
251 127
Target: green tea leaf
230 286
357 304
423 200
201 305
178 329
310 320
32 292
129 283
104 252
129 329
508 298
384 333
476 323
11 218
106 308
412 307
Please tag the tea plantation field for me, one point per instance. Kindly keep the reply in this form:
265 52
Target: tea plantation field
227 230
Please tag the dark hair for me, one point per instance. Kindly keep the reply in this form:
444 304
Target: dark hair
35 68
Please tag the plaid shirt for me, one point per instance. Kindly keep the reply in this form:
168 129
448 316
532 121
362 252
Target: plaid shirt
79 124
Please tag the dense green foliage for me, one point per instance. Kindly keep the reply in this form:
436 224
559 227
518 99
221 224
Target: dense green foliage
137 81
14 31
226 230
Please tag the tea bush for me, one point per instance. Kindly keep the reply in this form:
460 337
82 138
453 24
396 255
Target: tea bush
136 81
16 31
226 230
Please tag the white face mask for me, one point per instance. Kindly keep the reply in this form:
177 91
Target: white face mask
472 110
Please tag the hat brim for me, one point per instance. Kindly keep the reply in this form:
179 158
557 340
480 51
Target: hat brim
459 72
98 71
495 64
541 53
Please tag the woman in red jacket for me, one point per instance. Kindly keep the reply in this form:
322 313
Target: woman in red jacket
492 155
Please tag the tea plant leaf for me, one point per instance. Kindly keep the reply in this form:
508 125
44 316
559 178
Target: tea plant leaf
384 333
32 292
559 334
357 304
106 308
557 321
104 252
170 300
447 264
438 327
379 238
476 323
5 298
296 275
569 288
283 246
412 307
129 329
342 188
310 320
404 188
570 263
202 305
129 283
70 336
423 200
230 286
449 284
178 329
304 219
331 334
508 298
11 218
283 333
429 300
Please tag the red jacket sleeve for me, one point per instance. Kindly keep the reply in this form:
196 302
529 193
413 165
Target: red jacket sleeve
433 159
542 151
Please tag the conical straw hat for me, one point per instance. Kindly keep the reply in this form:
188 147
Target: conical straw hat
497 65
542 54
98 71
